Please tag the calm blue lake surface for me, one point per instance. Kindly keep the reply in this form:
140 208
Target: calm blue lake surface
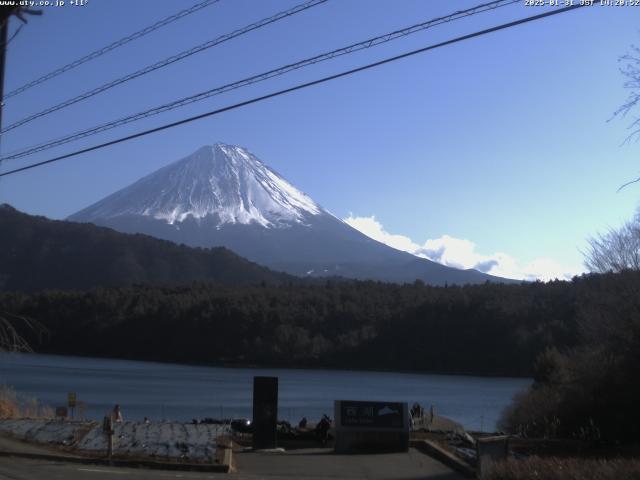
182 392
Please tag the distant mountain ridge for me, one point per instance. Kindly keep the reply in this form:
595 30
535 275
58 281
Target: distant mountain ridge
222 195
37 253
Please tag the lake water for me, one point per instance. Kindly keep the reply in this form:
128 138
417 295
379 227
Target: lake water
182 392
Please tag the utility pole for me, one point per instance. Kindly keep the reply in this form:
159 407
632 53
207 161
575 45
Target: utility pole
5 14
4 38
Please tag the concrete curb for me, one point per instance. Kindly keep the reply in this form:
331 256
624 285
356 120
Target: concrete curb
436 451
118 462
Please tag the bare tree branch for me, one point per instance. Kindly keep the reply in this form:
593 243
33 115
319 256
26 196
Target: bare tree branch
631 71
628 183
10 337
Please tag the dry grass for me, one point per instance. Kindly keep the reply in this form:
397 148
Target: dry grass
553 468
13 405
8 403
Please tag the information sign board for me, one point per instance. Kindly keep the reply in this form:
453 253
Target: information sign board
371 426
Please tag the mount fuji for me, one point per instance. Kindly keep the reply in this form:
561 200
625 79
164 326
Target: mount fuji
222 195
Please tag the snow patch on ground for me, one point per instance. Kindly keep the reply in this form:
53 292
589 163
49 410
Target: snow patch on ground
168 440
43 431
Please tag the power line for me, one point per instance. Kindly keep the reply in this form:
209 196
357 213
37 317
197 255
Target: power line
369 43
298 87
14 35
110 47
167 61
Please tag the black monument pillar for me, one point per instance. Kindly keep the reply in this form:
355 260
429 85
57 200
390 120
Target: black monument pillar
265 412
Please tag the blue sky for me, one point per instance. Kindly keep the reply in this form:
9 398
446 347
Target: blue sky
493 149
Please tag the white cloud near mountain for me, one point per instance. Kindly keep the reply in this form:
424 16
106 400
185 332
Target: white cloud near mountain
461 253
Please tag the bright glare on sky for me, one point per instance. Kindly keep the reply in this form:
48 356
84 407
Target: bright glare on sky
495 150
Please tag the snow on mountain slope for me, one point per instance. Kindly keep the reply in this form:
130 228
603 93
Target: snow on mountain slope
223 181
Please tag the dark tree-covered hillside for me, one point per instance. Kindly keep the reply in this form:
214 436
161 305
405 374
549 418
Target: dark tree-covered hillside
38 253
482 329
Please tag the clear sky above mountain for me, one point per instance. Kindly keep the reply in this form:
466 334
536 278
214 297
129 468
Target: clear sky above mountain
496 150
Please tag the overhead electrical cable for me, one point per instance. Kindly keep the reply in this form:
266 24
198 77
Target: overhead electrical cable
167 61
298 87
112 46
14 35
365 44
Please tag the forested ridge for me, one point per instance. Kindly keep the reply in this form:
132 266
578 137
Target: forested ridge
37 253
482 329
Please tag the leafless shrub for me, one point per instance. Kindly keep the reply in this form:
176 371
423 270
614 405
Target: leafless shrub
532 414
615 251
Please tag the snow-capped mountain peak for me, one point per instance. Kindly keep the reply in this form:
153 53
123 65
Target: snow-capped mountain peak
225 182
222 195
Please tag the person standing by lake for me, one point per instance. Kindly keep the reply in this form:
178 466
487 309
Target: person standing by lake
117 413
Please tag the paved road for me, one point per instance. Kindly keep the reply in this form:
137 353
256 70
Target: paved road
307 464
323 464
25 469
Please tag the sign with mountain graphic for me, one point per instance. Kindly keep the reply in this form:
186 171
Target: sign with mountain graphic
372 414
